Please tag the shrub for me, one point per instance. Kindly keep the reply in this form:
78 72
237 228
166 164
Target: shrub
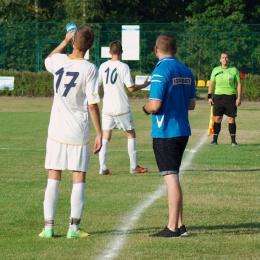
251 88
29 84
40 84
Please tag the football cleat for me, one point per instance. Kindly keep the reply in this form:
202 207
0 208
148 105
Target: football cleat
139 169
77 234
47 233
105 172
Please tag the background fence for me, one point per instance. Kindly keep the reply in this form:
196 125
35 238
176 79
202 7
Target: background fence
24 46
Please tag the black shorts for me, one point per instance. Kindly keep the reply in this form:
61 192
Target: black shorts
168 153
225 104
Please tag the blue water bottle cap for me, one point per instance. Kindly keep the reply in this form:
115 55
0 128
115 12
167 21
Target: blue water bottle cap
71 27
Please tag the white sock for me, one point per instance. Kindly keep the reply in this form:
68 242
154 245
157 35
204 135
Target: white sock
103 156
77 201
50 201
132 152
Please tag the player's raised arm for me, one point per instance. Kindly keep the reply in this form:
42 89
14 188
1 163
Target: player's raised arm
63 44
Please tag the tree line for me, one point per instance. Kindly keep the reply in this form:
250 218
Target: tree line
135 11
30 29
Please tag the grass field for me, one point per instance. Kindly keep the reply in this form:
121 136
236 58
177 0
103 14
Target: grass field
221 186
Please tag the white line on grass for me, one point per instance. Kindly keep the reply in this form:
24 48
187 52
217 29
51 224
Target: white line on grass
30 149
21 149
117 242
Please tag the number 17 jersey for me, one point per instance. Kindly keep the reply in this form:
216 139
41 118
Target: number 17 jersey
75 86
115 75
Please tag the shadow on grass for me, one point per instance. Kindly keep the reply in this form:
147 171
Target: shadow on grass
238 229
235 229
225 145
224 170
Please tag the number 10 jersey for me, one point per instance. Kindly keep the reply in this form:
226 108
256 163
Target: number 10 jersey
115 75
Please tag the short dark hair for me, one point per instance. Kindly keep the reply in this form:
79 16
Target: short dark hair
84 38
115 47
224 53
166 44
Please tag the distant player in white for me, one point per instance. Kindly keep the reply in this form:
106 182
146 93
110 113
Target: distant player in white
75 98
114 75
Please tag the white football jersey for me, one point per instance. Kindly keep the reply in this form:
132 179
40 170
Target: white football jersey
75 86
114 75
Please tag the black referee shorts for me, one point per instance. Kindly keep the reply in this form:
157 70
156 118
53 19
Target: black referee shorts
225 105
168 153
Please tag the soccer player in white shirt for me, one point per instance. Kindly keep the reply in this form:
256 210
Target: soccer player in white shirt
114 75
76 98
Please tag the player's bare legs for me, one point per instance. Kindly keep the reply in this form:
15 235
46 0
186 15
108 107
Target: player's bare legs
107 134
130 134
218 119
55 175
180 223
174 199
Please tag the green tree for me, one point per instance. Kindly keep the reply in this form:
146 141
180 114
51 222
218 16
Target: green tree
25 10
134 11
223 11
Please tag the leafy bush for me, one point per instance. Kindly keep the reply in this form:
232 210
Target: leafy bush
28 83
251 88
40 84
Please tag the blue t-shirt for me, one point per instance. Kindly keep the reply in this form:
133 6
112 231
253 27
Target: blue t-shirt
172 83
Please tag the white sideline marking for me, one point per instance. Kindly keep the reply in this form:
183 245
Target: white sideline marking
31 149
115 245
21 149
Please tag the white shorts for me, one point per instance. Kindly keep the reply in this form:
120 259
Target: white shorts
66 157
126 122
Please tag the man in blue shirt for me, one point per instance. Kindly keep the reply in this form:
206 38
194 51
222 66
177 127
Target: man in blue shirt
172 94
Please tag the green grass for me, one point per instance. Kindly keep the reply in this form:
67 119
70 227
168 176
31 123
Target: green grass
220 186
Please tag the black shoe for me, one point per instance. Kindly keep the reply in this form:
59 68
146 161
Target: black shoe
213 143
166 232
183 231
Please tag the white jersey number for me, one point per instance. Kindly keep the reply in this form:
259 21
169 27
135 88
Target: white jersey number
113 76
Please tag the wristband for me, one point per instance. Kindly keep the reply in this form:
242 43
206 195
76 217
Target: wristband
209 96
145 110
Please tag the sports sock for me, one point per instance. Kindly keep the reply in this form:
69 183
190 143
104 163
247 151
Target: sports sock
50 201
217 128
49 223
232 130
77 201
132 152
103 155
173 230
74 224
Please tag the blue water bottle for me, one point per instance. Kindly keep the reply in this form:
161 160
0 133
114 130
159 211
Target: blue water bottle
71 27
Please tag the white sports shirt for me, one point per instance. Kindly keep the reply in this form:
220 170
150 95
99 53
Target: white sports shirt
115 75
75 86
